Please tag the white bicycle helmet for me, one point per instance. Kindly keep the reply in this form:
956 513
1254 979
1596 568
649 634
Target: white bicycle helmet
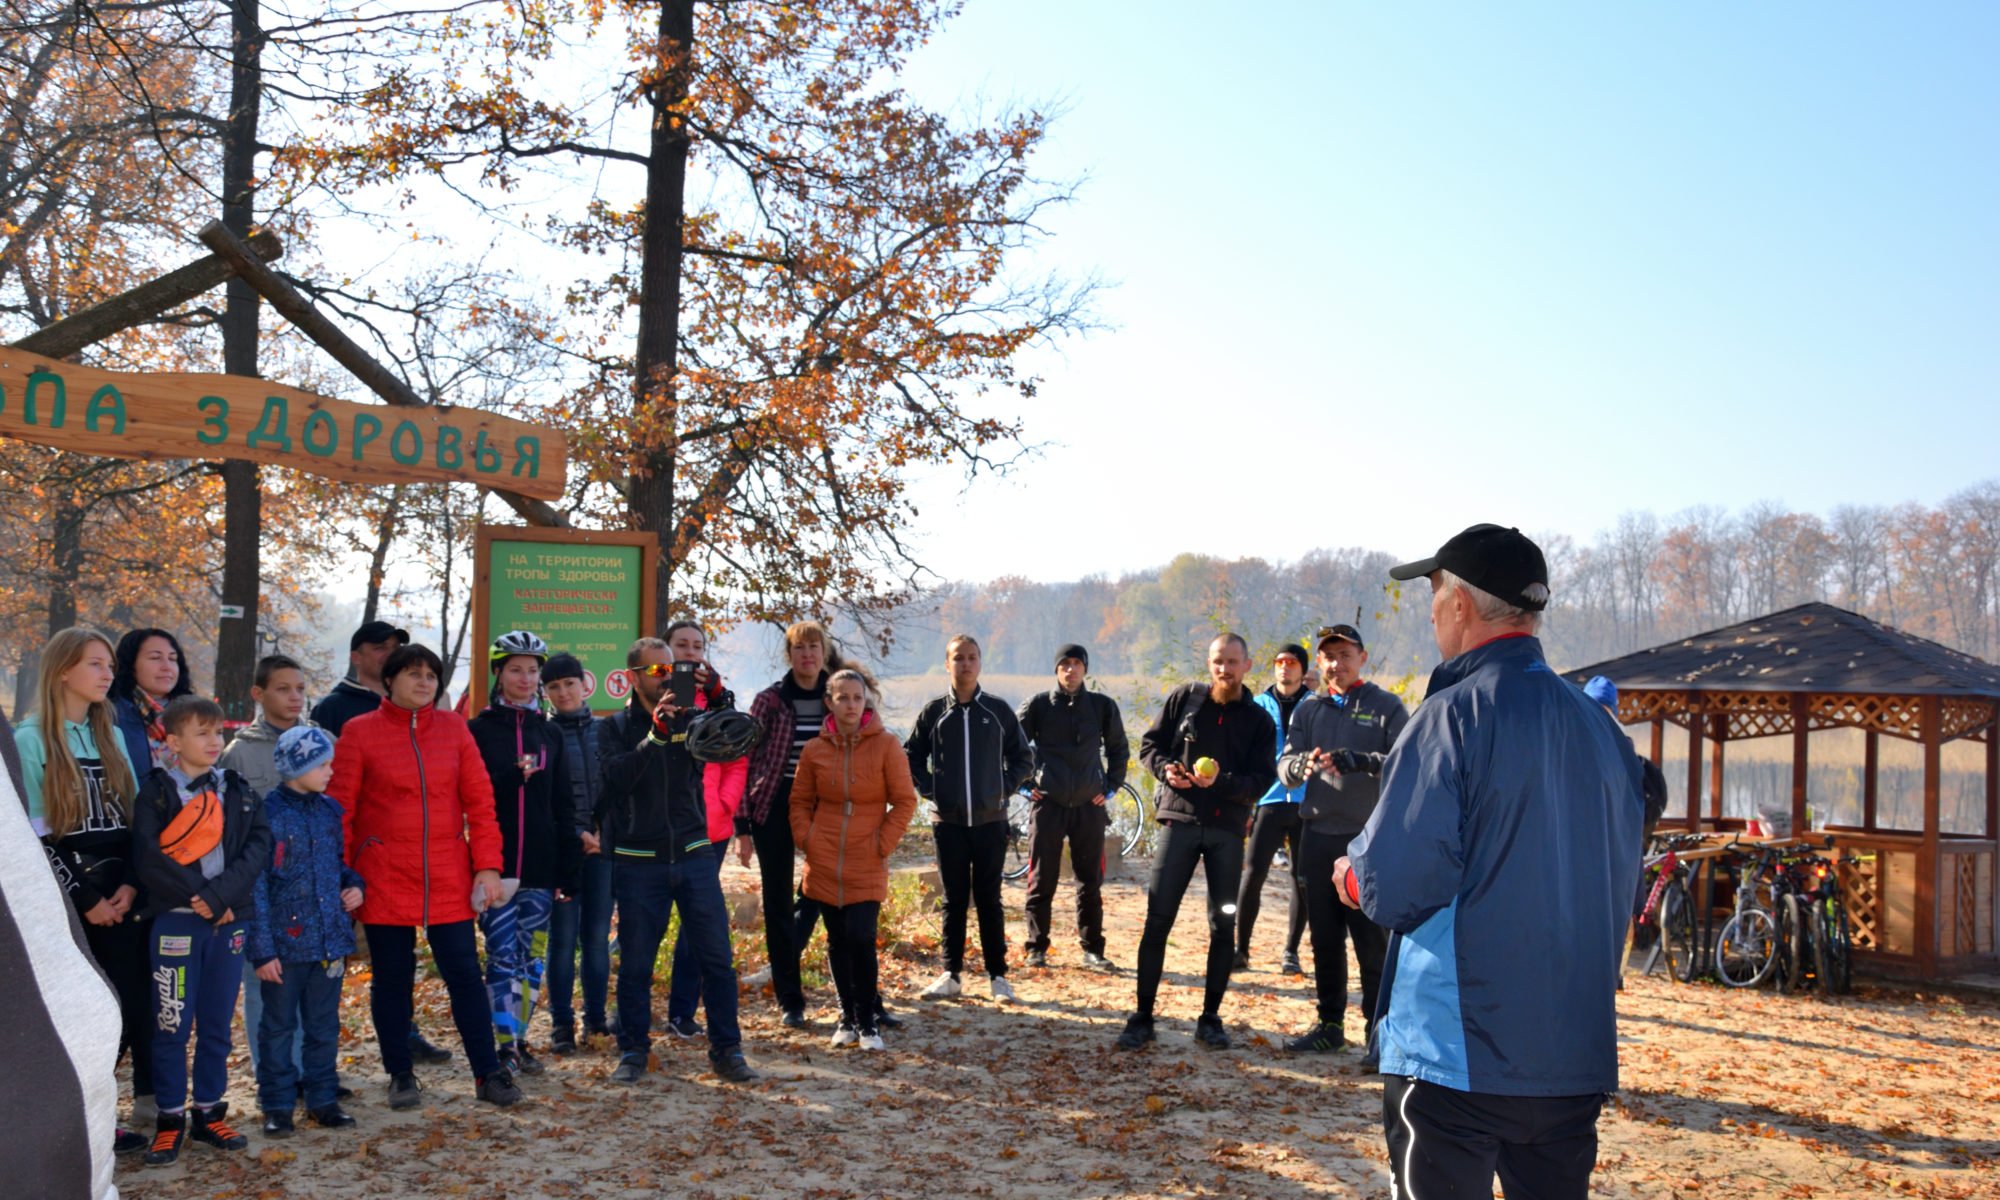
513 642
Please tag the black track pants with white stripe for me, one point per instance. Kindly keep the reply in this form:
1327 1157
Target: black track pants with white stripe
1448 1145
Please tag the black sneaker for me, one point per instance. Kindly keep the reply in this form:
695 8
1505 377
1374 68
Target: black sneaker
1138 1034
1209 1032
1097 962
1038 958
422 1051
1291 964
1323 1038
278 1125
1241 962
684 1027
167 1141
405 1091
884 1019
209 1127
499 1089
731 1068
631 1069
593 1029
794 1018
530 1065
330 1117
128 1141
562 1042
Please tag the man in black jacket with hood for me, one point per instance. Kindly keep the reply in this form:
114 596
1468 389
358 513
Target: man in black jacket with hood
1080 752
1215 751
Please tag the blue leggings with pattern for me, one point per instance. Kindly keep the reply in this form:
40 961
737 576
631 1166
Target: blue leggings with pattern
517 950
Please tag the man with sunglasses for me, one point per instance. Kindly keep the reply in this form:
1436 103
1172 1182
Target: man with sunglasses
653 825
1334 750
1276 823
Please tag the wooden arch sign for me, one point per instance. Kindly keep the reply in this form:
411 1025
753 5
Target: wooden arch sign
180 415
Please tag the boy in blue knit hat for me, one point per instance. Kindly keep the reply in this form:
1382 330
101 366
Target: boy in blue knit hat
302 935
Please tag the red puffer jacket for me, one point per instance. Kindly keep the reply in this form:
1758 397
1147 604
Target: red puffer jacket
413 787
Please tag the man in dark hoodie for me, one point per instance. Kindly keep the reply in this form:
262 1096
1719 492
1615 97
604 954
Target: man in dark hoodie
1335 747
583 922
654 826
1080 752
1215 751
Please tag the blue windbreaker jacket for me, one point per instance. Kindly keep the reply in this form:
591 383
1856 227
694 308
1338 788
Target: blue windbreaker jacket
1501 854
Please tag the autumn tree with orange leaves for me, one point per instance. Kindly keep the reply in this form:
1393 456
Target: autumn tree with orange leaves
807 271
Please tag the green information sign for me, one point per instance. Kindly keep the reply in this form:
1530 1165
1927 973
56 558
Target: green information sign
585 594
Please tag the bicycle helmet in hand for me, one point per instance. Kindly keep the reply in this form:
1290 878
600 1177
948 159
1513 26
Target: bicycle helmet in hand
723 735
513 642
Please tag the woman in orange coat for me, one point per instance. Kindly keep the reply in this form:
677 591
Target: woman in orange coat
851 801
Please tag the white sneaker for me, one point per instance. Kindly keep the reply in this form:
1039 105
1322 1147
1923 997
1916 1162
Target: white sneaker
872 1041
944 985
1003 992
845 1036
758 977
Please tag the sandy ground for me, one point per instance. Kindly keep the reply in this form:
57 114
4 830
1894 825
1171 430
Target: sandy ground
1888 1092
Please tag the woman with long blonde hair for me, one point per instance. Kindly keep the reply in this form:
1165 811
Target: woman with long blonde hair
80 786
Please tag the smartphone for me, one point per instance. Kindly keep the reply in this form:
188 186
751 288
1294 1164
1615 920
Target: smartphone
681 684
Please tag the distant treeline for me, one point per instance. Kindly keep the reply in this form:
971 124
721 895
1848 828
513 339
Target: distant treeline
1931 571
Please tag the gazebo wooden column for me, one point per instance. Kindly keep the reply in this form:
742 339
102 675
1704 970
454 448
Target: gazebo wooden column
1927 862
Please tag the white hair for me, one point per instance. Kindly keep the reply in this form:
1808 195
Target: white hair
1489 607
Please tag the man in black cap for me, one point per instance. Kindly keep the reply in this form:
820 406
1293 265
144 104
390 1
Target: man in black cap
362 690
1080 752
1500 855
1334 749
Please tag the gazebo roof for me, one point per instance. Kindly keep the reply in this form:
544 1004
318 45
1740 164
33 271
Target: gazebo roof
1810 648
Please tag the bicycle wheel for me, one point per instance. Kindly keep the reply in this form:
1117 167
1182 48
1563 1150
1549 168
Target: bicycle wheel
1677 930
1832 948
1746 951
1126 812
1020 815
1794 953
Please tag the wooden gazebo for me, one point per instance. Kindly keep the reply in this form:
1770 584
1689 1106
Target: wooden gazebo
1923 900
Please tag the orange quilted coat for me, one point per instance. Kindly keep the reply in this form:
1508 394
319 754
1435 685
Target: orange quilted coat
851 801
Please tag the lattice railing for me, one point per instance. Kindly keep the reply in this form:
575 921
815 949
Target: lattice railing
1765 714
1965 912
1861 886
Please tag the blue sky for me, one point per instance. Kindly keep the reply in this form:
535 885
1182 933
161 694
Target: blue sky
1385 270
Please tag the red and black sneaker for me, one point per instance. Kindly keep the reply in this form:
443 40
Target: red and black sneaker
210 1129
167 1143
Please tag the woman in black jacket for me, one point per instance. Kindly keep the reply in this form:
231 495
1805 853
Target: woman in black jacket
540 850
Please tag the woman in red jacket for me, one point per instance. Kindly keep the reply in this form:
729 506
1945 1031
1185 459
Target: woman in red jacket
411 785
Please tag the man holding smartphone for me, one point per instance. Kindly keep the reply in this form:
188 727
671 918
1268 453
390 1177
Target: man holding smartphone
654 828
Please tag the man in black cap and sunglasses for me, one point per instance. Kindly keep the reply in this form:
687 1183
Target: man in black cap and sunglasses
1500 854
1334 748
362 690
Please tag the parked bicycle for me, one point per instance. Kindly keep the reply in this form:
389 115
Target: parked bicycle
1124 809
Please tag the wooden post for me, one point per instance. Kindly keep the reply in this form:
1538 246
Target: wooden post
142 303
1871 757
1718 733
1801 720
1927 859
345 350
1694 772
1993 775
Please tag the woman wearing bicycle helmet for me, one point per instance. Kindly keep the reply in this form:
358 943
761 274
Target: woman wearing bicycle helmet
540 851
851 801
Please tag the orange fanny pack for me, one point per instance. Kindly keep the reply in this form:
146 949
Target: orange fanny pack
195 830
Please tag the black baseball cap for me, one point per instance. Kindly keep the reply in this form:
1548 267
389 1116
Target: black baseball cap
1496 559
376 632
1339 633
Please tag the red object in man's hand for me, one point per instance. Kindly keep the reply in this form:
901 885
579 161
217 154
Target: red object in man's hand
1345 884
